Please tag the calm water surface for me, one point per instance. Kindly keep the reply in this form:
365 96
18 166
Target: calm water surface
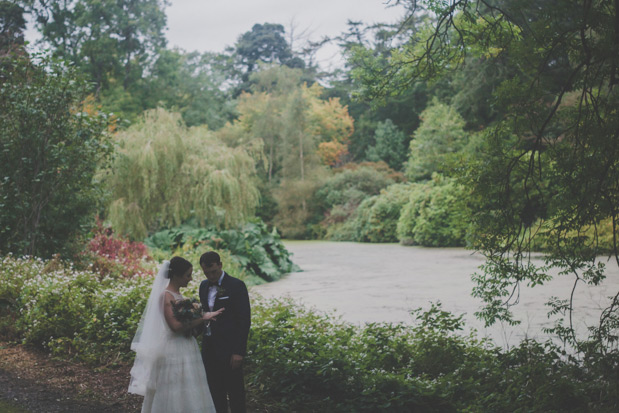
383 282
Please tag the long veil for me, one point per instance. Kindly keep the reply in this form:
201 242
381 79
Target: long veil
148 341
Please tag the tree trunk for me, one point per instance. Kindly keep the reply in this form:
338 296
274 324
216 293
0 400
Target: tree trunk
127 71
271 150
301 156
614 79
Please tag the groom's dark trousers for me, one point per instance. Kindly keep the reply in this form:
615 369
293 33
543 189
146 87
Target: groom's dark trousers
223 383
228 336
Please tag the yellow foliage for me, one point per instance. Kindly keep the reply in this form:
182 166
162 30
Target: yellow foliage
330 120
332 153
90 107
293 198
293 122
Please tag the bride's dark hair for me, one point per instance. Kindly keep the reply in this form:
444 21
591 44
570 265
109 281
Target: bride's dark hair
178 266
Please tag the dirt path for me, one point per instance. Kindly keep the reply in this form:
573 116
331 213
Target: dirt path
38 383
41 384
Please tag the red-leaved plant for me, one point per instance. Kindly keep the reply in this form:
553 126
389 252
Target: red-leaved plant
117 256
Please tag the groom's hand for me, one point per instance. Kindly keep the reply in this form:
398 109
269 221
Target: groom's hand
236 361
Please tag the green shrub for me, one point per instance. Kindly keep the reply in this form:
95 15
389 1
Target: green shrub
352 185
377 217
252 248
56 305
535 377
69 312
341 195
299 360
73 313
311 362
115 314
436 215
13 273
344 231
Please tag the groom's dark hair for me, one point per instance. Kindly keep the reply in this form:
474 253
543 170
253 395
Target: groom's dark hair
210 257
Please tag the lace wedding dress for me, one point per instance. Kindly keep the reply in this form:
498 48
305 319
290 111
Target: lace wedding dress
168 369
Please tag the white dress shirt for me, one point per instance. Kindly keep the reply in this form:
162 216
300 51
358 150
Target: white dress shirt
212 293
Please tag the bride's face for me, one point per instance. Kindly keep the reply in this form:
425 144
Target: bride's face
185 278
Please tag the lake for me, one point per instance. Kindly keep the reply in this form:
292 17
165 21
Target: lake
383 282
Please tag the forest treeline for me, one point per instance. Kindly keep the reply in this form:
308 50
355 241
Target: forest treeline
256 131
486 124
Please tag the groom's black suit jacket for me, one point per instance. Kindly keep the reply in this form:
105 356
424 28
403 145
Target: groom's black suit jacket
229 333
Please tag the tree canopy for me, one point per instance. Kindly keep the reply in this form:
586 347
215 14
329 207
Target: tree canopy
548 165
292 121
264 43
12 25
439 138
53 140
109 39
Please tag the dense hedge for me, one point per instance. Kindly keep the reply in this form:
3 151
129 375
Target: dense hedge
299 360
69 312
340 196
430 214
308 362
435 215
377 217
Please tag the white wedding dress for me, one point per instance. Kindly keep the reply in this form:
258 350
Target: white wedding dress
168 369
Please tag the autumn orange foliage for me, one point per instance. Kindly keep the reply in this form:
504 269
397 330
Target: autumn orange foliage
332 153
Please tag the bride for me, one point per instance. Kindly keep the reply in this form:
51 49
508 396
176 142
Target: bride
168 369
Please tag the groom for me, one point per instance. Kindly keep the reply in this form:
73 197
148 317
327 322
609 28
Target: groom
224 342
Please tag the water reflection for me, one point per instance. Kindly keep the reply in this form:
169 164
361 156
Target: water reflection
384 282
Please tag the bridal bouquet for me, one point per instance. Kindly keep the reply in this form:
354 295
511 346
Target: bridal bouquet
187 310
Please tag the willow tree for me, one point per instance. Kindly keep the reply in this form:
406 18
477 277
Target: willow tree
165 173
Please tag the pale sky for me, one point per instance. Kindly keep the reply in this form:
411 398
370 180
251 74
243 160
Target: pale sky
211 25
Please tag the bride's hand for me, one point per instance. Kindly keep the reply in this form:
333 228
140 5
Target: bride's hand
213 315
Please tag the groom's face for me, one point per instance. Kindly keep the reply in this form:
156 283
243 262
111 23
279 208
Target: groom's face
212 271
